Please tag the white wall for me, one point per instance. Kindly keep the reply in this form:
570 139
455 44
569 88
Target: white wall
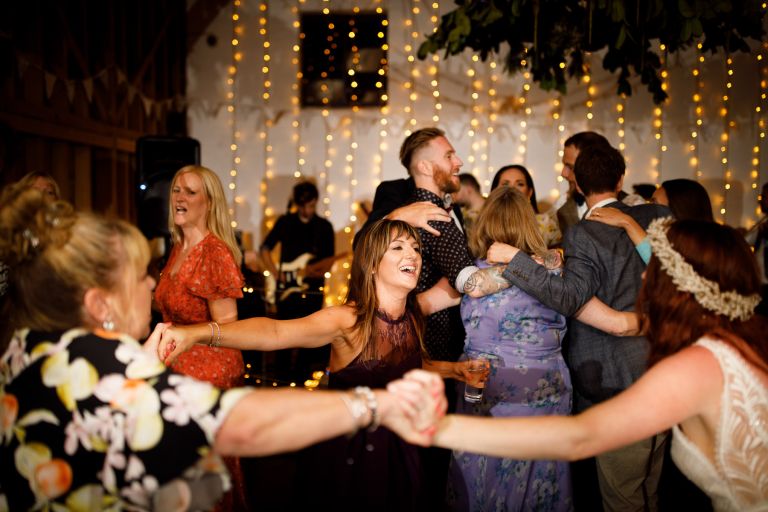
210 122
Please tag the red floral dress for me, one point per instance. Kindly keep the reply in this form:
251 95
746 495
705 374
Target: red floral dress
209 272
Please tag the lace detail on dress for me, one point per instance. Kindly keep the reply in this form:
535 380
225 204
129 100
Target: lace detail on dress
394 338
739 478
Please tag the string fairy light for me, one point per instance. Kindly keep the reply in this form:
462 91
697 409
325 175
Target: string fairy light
295 100
557 118
383 133
349 167
236 57
434 69
621 113
522 147
474 122
266 95
698 110
410 87
591 89
762 63
658 120
726 135
493 109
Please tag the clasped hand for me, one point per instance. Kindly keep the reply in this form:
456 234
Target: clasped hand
420 404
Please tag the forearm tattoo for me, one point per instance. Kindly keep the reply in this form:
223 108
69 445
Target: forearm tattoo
486 281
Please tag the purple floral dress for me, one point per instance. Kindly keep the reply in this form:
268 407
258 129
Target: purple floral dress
528 378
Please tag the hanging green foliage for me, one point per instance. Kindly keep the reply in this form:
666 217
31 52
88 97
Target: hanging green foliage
558 33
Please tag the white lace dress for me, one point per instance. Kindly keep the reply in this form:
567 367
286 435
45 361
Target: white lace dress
738 480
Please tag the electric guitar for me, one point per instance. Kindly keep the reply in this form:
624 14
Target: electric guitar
293 274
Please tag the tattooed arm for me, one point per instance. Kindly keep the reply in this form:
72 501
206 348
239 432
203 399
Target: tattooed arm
486 281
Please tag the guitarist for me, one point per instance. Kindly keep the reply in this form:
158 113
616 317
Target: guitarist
300 232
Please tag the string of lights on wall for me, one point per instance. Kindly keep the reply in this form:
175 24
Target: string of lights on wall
295 90
522 148
236 57
557 119
621 107
493 108
726 135
591 89
410 89
762 63
434 68
698 110
658 120
266 97
474 121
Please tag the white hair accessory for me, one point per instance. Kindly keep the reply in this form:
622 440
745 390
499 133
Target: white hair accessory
707 293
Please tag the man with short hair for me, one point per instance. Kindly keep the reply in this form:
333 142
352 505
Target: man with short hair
600 261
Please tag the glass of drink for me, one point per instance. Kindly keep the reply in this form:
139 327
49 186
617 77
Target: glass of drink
477 370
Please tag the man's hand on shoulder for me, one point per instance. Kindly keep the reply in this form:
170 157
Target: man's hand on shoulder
419 214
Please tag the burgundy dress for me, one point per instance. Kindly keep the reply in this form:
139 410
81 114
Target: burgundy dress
372 471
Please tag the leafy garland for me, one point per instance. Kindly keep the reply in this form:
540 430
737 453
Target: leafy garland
558 33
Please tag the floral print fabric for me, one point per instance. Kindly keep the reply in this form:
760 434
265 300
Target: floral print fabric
92 422
207 273
529 377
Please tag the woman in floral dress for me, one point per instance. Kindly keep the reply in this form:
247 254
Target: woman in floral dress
528 377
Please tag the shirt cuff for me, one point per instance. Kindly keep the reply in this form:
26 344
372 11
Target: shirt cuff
463 277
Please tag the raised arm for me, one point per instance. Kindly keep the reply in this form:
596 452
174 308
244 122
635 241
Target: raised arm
601 316
683 386
260 333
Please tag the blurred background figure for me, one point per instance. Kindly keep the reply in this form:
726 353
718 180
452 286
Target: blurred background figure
470 199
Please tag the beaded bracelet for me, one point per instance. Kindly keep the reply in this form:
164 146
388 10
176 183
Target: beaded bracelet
215 341
357 408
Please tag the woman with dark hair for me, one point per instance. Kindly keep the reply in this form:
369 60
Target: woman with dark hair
375 337
90 421
708 379
517 176
687 199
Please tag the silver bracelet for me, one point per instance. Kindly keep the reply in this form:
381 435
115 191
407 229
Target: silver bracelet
364 392
215 340
357 408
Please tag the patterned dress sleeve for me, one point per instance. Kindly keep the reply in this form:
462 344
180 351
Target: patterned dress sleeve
216 275
98 421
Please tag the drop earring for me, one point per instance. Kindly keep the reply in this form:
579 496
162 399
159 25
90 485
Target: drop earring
108 324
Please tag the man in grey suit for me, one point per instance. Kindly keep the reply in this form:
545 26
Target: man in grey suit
601 261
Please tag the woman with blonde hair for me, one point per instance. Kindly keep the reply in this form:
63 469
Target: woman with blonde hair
201 282
90 421
521 339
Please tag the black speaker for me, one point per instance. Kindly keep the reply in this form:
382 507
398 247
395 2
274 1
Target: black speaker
158 158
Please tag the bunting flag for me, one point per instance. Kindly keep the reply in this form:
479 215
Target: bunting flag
88 86
147 105
70 90
50 83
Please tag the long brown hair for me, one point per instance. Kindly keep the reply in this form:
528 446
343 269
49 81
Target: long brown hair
362 288
673 319
507 217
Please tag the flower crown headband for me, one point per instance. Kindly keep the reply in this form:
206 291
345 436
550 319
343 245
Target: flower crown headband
707 293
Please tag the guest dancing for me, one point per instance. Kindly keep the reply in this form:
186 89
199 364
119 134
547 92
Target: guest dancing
707 381
201 282
91 421
528 373
375 337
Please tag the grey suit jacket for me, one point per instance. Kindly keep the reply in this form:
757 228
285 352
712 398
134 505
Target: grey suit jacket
601 261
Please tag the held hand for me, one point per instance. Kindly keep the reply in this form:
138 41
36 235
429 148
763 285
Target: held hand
419 214
551 260
467 371
152 344
501 253
610 216
174 341
420 403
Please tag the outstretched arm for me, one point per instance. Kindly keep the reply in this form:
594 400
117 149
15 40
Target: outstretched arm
260 333
683 386
601 316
